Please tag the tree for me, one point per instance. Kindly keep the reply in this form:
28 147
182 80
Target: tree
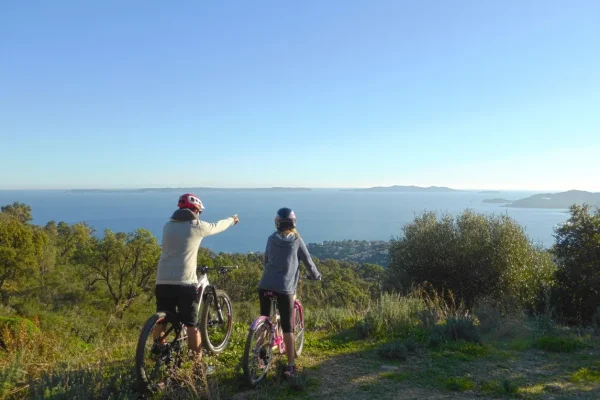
17 252
473 255
577 252
69 239
125 263
20 211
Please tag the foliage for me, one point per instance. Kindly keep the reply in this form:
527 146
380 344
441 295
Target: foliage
125 263
577 252
390 315
557 344
17 252
472 255
20 211
60 339
393 351
360 251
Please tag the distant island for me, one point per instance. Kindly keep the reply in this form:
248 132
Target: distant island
405 189
489 192
562 200
497 200
194 189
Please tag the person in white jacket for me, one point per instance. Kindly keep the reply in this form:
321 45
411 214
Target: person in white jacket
176 278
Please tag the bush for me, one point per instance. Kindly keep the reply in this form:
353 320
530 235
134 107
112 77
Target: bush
16 332
489 316
393 351
577 251
462 329
472 255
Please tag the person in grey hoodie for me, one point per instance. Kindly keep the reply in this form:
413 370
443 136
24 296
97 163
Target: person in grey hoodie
176 278
285 249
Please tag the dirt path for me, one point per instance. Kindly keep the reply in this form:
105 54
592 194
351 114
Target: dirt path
527 374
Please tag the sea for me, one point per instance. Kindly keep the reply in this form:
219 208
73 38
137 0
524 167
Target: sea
323 214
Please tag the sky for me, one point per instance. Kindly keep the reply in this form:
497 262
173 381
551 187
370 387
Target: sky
467 94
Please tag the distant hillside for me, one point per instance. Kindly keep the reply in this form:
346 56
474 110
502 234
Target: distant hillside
497 200
558 200
194 189
407 189
361 251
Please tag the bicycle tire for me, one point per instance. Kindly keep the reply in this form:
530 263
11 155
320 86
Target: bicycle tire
298 338
204 322
250 350
140 366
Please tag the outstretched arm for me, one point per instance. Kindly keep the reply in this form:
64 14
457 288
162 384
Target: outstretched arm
212 228
305 257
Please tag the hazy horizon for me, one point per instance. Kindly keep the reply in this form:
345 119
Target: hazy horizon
158 187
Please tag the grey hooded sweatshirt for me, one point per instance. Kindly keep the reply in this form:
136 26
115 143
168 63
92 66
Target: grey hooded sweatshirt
282 263
181 239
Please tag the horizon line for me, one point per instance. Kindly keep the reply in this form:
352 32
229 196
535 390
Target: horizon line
469 189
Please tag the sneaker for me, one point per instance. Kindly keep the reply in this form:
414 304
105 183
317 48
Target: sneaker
290 372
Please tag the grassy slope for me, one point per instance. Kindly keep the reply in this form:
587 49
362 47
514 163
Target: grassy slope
516 360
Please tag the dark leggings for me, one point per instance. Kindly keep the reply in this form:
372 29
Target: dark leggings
285 304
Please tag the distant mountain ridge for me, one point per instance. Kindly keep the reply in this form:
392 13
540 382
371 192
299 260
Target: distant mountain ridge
558 200
405 189
562 200
187 189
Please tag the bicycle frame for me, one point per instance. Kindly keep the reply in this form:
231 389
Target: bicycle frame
204 288
274 326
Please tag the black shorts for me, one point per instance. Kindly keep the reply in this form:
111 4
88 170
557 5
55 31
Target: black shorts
285 304
178 299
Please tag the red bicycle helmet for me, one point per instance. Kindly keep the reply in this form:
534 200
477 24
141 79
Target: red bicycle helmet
190 201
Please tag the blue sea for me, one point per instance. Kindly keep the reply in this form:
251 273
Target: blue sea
326 214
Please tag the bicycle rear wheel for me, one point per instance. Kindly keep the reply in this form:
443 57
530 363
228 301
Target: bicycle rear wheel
258 354
160 351
298 329
216 333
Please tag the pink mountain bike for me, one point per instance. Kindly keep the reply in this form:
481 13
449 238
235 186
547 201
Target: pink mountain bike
265 336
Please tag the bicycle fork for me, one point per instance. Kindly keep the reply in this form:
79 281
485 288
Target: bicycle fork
217 304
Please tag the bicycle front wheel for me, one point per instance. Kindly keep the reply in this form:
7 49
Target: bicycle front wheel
215 331
298 329
160 351
258 354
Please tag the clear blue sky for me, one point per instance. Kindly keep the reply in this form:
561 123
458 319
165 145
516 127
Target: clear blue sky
468 94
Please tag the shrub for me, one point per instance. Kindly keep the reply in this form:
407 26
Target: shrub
462 329
489 316
16 332
577 250
472 255
393 351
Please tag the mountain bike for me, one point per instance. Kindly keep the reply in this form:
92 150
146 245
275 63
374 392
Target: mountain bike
265 336
163 339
